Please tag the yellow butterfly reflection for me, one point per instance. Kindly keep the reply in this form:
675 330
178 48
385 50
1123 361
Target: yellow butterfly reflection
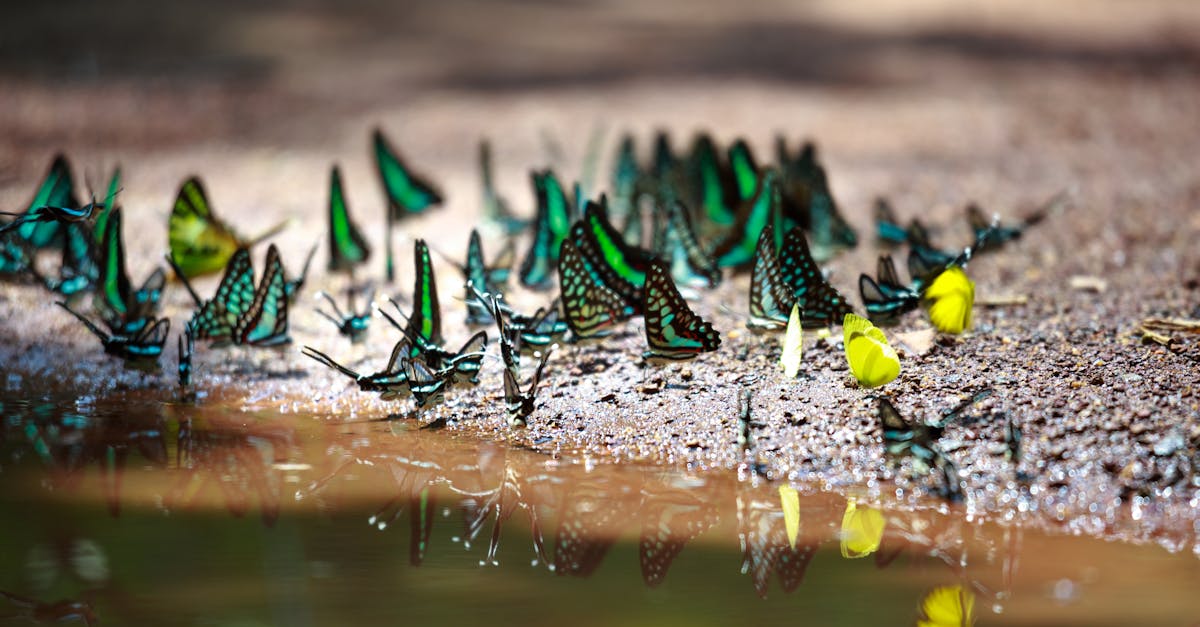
872 360
793 345
789 498
947 606
950 298
862 530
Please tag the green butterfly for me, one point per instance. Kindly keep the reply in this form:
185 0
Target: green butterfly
820 303
407 192
745 170
673 331
351 323
390 383
140 349
186 345
79 271
56 190
620 267
201 243
425 323
771 299
519 405
215 318
46 214
265 321
124 309
591 308
552 225
490 279
677 242
737 249
496 211
717 202
886 298
347 246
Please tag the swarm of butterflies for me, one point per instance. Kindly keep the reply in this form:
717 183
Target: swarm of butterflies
665 231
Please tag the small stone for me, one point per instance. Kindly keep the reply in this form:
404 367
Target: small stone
1169 444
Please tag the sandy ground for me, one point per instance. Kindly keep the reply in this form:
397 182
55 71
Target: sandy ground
932 106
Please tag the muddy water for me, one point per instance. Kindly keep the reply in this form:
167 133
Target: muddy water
142 513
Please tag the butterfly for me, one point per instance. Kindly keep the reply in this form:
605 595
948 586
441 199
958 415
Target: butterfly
887 226
673 331
292 286
265 321
551 225
201 243
186 345
872 360
428 388
793 344
79 270
902 438
463 365
738 247
390 382
56 190
820 303
951 297
632 231
347 246
110 204
678 243
124 309
591 309
770 296
745 171
50 213
861 531
495 209
921 246
669 521
490 279
924 266
215 318
626 175
620 267
947 606
425 323
140 349
990 234
351 324
886 299
407 192
519 405
714 192
808 191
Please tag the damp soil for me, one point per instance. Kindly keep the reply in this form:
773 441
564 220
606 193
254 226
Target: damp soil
1104 110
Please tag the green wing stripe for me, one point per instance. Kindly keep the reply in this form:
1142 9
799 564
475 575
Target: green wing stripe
426 320
621 267
347 246
737 249
407 193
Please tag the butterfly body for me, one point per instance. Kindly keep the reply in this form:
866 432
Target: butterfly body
350 324
140 350
519 405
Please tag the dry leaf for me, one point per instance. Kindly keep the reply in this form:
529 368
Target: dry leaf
917 342
1088 283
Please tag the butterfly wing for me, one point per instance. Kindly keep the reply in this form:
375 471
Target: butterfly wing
770 296
347 246
215 319
872 360
426 320
592 309
821 304
793 345
745 170
952 297
673 331
407 192
738 247
56 190
199 242
620 267
265 321
689 261
116 293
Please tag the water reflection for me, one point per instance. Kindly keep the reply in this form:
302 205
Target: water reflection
566 516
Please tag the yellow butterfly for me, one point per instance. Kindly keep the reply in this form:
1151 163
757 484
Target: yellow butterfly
862 530
793 345
200 242
872 360
789 498
948 606
951 296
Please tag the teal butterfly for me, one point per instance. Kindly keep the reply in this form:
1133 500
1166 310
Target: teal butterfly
110 204
632 231
619 266
738 247
807 196
390 383
46 214
186 345
265 321
510 343
902 438
591 309
490 279
717 201
820 303
140 349
771 298
56 190
348 247
666 163
552 225
79 271
496 211
124 309
519 405
215 318
673 331
626 176
885 297
677 242
991 235
428 388
407 192
351 323
887 227
463 365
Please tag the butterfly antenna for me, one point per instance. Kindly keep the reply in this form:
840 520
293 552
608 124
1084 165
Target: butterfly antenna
104 337
271 232
183 279
329 299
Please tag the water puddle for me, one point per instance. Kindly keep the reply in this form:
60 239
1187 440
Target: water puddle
142 513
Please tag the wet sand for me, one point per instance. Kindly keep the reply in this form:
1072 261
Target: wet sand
1002 109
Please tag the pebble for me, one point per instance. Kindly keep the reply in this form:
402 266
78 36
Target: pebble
1169 444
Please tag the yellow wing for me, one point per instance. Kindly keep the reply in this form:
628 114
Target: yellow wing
951 297
872 360
200 243
948 606
789 499
862 530
793 345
